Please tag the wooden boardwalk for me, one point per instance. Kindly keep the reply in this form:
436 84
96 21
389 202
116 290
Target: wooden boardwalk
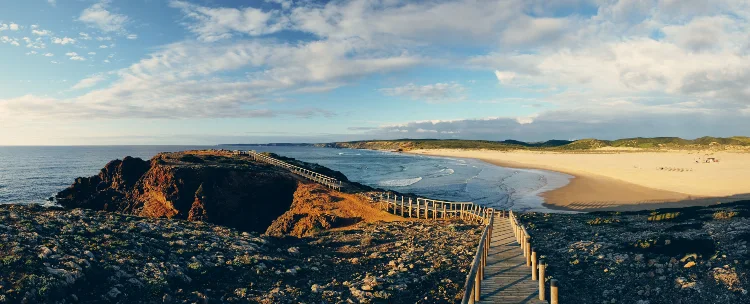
507 279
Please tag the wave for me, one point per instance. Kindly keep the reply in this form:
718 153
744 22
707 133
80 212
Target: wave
400 182
441 173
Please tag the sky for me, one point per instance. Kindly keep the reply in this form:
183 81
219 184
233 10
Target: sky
100 72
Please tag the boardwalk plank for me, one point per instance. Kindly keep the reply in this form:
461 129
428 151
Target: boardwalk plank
507 279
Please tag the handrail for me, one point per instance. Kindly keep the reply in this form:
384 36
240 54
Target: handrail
309 174
538 267
472 287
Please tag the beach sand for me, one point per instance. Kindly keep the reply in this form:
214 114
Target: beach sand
628 180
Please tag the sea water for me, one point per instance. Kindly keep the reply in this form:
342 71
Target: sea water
33 174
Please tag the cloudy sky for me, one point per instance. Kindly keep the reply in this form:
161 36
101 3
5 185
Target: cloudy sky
220 71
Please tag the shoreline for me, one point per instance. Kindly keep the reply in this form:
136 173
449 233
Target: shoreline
587 192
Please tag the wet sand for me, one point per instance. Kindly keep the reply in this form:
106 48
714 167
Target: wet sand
627 181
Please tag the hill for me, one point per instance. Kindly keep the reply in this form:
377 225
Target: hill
654 143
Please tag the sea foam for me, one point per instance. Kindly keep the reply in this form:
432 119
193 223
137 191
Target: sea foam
400 182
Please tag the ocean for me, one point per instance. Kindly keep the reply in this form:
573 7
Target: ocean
33 174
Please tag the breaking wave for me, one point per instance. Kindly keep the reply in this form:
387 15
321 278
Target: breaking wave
400 182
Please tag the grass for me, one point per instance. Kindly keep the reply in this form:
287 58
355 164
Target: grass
601 221
725 215
656 216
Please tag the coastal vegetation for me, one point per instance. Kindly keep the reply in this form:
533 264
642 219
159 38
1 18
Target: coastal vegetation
686 255
654 143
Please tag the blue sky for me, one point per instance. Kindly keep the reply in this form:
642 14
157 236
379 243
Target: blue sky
207 72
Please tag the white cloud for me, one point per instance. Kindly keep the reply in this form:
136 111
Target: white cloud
3 27
63 41
439 92
89 82
212 24
14 27
9 40
74 56
41 32
49 55
105 38
100 17
52 2
598 122
505 77
31 53
103 46
657 56
132 37
92 53
84 36
182 78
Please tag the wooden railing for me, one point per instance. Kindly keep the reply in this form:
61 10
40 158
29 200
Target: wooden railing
425 208
538 267
329 182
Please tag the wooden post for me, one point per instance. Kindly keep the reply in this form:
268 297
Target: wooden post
410 207
528 251
477 287
553 292
533 265
426 209
541 280
434 210
402 206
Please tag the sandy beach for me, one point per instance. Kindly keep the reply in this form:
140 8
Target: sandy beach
628 180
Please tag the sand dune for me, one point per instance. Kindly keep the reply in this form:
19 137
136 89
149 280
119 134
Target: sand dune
627 180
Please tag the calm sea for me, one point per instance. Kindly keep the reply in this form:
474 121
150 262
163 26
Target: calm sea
33 174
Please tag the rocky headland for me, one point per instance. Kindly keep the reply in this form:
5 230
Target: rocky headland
686 255
213 227
84 256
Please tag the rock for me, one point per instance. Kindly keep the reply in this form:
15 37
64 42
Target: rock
293 250
215 190
89 254
315 288
45 252
113 293
689 264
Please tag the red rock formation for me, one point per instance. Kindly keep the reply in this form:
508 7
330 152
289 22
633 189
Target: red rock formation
223 190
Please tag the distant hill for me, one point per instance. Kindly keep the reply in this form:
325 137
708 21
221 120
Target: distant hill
655 143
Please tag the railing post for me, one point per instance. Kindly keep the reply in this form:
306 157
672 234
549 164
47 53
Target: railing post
477 287
533 265
553 292
410 208
402 206
541 280
528 251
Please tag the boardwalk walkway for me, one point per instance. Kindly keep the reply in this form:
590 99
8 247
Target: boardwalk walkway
507 279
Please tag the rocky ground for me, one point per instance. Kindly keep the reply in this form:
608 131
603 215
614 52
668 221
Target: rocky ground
688 255
84 256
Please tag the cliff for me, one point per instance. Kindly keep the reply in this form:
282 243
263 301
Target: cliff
214 187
